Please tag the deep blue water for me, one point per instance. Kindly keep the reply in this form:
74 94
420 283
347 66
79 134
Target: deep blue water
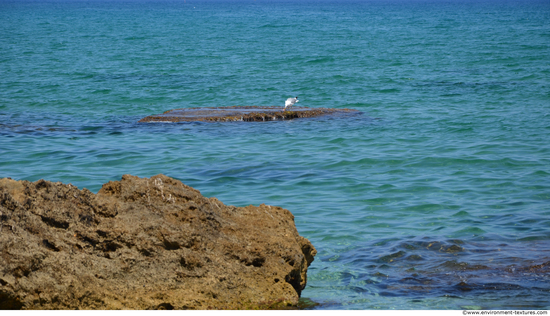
436 197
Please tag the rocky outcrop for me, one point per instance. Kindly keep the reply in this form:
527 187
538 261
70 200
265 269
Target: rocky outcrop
144 243
243 113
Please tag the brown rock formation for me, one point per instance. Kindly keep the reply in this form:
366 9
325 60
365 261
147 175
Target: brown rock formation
144 244
242 113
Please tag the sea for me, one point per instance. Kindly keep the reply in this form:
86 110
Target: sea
436 196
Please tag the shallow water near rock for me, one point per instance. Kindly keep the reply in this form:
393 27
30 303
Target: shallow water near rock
436 198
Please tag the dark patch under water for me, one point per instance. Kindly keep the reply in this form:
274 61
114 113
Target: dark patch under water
418 270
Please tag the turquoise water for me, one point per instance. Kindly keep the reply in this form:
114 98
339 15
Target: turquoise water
436 197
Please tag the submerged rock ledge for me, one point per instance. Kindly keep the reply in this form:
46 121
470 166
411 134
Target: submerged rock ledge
243 113
144 243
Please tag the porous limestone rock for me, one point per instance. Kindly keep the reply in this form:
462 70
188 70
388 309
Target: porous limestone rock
144 243
244 114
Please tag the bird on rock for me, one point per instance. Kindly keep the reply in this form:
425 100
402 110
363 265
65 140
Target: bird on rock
290 102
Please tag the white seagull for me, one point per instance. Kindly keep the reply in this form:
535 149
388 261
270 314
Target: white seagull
290 102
